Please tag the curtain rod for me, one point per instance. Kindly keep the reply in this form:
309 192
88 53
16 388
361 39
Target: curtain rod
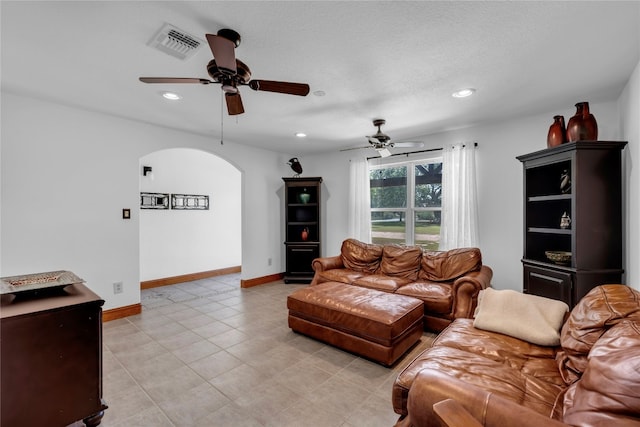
475 144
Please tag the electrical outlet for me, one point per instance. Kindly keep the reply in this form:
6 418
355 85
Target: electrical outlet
269 261
117 288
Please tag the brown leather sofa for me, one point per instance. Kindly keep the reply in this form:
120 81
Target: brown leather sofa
591 379
448 282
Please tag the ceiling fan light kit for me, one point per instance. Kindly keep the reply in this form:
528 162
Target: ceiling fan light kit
228 71
381 142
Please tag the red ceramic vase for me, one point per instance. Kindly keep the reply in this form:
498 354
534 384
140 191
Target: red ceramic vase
582 126
557 132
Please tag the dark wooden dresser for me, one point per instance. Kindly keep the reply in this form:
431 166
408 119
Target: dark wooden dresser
51 358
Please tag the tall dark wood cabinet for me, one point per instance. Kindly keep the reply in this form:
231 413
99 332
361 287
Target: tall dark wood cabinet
582 182
302 227
51 359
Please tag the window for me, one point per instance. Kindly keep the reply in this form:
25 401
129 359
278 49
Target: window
406 203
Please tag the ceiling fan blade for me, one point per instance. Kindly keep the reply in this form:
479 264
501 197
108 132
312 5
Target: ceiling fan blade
407 144
234 103
301 89
224 52
354 148
174 80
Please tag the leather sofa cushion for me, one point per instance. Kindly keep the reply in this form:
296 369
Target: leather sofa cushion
608 391
360 256
522 372
603 307
381 282
437 297
449 265
401 261
342 275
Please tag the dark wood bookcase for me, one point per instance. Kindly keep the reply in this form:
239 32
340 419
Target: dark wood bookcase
302 227
594 204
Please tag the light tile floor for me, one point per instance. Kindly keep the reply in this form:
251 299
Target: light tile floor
208 353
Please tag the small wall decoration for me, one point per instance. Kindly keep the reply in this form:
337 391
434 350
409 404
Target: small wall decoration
154 201
189 202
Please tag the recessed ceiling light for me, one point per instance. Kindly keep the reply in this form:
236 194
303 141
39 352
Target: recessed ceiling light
171 96
301 134
463 93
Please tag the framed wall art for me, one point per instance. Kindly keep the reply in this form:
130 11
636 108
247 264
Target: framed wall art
189 202
154 201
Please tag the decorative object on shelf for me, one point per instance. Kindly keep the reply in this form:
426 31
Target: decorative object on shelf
305 234
557 132
565 182
154 200
304 197
558 257
295 166
565 221
582 126
189 202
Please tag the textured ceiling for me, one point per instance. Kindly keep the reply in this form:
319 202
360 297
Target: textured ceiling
396 60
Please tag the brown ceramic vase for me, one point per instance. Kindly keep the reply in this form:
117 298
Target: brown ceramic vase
557 132
582 126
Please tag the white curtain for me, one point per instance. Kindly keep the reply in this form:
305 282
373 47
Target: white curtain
359 200
459 227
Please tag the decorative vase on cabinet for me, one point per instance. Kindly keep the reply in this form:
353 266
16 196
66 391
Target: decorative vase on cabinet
557 132
582 126
581 217
302 227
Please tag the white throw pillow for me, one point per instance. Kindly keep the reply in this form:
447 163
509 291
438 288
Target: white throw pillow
528 317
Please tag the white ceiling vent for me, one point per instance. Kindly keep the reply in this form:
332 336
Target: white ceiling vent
175 42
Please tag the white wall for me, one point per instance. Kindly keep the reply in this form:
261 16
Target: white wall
177 242
629 105
499 183
68 173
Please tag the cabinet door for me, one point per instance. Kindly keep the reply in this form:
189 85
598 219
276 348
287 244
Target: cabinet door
299 258
548 283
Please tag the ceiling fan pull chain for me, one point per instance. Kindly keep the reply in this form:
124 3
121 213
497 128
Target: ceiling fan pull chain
221 118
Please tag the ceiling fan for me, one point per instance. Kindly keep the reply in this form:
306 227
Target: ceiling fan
231 73
381 142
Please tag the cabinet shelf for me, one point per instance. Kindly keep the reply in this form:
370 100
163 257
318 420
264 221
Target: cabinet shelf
550 265
549 198
547 230
302 205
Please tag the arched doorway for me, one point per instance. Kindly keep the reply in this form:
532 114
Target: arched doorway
178 242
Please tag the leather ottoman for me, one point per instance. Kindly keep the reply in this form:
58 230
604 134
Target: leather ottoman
376 325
